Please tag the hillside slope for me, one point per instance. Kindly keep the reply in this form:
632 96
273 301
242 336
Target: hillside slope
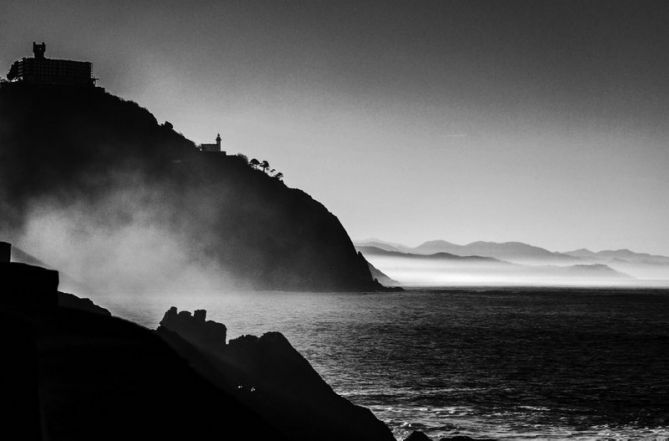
87 157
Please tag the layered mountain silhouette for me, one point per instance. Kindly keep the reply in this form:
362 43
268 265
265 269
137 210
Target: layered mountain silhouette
518 252
510 251
437 263
376 251
84 152
621 256
645 266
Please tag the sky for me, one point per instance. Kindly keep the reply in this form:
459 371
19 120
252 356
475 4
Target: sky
545 122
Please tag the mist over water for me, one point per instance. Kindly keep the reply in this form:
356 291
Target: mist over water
442 272
125 242
534 120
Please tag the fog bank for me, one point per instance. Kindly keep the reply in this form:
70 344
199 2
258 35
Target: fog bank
427 272
122 243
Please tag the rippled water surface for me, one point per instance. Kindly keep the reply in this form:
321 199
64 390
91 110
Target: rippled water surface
550 364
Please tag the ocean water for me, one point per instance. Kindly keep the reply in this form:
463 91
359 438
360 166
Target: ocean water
508 364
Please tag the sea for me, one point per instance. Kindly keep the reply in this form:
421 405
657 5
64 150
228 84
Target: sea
508 364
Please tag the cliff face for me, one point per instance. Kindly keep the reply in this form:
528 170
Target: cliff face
82 148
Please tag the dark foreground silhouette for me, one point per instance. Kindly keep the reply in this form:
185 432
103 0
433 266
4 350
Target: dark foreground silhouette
269 376
71 371
63 147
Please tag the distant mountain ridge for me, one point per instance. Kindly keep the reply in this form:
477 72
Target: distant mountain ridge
511 263
371 250
504 250
485 267
512 251
621 254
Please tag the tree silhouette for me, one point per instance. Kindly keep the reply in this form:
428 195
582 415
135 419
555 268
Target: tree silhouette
279 176
254 163
264 165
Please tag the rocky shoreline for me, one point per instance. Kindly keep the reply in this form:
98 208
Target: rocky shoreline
269 376
75 372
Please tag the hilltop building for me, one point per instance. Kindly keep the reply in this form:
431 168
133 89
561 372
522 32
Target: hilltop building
216 147
40 70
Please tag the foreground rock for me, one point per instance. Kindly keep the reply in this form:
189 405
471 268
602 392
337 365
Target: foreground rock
71 301
71 374
269 376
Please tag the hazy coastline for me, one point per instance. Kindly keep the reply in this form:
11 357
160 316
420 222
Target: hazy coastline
334 220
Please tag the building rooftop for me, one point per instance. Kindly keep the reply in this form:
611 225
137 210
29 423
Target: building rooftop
46 71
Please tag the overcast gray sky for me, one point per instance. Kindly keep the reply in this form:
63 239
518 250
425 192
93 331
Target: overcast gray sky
539 121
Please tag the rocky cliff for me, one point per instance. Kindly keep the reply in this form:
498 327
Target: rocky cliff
75 150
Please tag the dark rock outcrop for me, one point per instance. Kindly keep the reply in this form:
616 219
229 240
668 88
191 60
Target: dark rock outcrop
29 286
71 301
19 405
81 147
268 375
69 375
195 327
5 252
73 372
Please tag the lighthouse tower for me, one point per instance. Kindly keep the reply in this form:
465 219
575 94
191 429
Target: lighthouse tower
215 148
